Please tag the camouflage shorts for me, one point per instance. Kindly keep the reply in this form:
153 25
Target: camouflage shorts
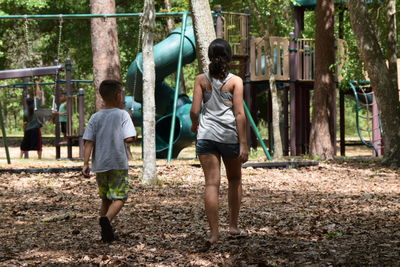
113 184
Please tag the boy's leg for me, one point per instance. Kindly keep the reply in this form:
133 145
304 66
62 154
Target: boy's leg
233 168
107 234
118 183
105 204
114 209
211 164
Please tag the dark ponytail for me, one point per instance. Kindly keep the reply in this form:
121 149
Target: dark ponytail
30 107
220 55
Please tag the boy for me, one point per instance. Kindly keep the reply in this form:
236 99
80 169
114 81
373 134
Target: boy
106 134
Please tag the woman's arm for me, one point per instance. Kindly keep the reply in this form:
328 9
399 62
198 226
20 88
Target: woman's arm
196 104
240 117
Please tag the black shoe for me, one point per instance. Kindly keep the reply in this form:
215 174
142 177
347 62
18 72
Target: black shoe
107 233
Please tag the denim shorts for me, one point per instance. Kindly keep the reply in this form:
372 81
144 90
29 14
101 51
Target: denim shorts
204 147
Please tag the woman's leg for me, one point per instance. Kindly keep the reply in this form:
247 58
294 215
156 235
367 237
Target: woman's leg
234 174
211 164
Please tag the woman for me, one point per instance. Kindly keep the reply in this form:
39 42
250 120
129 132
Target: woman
32 135
221 133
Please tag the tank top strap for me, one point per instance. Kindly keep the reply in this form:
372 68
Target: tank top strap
217 84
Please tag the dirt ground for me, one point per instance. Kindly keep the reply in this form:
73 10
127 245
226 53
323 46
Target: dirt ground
340 213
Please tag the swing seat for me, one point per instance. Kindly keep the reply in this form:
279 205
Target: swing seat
44 116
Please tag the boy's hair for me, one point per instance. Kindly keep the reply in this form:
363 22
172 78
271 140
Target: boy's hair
109 89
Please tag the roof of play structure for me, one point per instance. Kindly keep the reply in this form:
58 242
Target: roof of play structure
312 3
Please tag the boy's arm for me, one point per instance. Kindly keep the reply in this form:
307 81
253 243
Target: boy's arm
88 147
130 139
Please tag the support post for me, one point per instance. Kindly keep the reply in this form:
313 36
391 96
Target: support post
177 86
26 95
342 124
295 94
3 130
248 88
57 95
81 97
68 78
286 121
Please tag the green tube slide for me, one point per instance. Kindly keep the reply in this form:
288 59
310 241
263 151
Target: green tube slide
166 54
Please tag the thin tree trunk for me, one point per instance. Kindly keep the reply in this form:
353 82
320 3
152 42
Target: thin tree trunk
203 29
269 65
149 110
385 90
170 20
324 86
105 49
392 39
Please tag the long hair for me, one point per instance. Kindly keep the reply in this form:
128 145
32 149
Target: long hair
30 108
220 55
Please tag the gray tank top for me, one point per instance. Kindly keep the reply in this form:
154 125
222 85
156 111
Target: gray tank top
217 121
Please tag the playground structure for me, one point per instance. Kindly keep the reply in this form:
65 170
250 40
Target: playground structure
294 73
294 61
371 135
72 133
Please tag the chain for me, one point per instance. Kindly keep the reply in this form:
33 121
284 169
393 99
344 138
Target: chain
60 26
28 46
137 52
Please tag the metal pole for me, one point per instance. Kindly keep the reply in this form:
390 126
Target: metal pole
177 86
342 122
26 95
81 96
57 94
254 126
68 78
3 129
87 16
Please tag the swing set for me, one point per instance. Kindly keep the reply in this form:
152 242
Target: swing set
75 97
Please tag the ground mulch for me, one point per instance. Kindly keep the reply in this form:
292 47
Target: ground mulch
340 213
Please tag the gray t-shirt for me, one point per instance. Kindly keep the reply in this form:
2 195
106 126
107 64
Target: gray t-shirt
108 128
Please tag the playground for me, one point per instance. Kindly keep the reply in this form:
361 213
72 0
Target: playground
298 208
340 212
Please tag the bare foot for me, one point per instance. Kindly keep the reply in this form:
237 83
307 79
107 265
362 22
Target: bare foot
213 240
234 230
236 233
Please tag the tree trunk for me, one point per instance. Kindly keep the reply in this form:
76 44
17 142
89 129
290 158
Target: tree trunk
384 88
170 20
149 110
106 64
269 65
324 86
392 39
203 29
